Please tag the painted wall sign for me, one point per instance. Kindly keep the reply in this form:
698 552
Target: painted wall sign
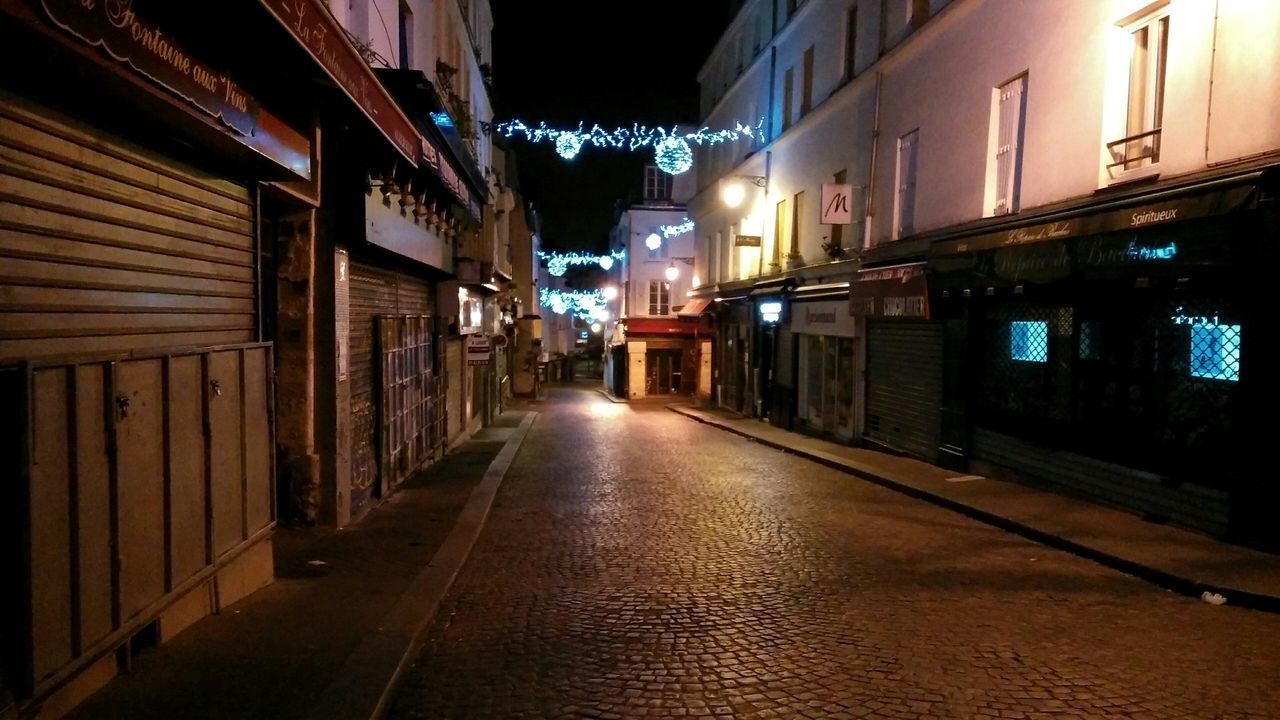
151 52
311 23
837 204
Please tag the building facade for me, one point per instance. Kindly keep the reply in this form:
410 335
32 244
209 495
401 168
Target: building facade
1052 240
654 342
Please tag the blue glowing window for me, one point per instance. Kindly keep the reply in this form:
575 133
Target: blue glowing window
1215 352
1029 341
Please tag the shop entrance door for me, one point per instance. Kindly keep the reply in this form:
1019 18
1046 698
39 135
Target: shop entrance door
662 371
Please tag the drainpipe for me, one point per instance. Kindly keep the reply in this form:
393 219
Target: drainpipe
1213 56
871 171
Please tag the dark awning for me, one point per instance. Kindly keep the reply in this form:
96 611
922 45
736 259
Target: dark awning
896 291
1157 207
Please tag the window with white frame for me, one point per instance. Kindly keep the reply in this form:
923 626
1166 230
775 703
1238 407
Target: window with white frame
904 211
1144 108
1009 119
657 184
659 297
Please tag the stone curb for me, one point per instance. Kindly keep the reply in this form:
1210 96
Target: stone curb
1169 581
363 687
610 398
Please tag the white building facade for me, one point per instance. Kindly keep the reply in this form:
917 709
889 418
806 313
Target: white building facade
1059 217
654 343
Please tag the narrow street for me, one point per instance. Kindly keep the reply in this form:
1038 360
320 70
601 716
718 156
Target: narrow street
639 564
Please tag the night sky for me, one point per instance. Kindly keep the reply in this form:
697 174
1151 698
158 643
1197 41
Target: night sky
570 61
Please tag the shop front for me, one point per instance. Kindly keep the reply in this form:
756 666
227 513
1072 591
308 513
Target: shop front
904 356
827 339
1122 353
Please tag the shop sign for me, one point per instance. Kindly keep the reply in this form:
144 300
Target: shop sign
477 350
1206 204
895 292
826 317
746 241
837 206
312 25
153 53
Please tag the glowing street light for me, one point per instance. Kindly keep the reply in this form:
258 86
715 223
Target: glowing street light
595 327
672 272
610 292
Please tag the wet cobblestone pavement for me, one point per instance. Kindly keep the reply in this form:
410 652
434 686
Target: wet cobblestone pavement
640 564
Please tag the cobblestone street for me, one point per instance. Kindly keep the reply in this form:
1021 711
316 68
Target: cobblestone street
639 564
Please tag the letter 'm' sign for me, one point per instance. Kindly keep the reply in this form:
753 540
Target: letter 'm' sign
837 205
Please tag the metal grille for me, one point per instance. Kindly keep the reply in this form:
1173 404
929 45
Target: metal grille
1029 368
408 401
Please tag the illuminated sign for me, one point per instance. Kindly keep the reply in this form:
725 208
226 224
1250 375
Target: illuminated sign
770 312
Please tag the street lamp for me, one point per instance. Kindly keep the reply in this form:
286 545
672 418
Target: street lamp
610 292
672 272
733 191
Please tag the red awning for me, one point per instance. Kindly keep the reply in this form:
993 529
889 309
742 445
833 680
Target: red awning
694 308
659 326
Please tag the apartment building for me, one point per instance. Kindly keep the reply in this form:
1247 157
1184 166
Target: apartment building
1018 237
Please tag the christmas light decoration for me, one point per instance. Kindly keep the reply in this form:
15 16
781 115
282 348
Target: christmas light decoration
670 231
673 155
653 242
672 149
580 303
558 263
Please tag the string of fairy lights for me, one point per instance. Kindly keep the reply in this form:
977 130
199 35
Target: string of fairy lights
672 149
558 263
585 304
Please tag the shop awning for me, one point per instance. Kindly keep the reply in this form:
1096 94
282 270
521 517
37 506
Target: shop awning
895 291
1207 198
694 308
659 326
320 34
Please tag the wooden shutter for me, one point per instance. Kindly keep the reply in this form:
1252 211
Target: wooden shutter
906 209
1009 145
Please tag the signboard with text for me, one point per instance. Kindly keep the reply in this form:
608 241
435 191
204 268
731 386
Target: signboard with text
477 349
893 292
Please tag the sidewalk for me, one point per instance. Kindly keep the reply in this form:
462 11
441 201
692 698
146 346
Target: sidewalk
1179 560
331 636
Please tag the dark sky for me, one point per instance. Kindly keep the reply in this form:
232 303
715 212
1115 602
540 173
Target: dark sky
571 61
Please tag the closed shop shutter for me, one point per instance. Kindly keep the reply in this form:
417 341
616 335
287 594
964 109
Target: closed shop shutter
107 247
374 291
904 386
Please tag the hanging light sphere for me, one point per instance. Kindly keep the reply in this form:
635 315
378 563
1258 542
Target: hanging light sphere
568 145
672 272
653 242
606 262
600 314
673 155
610 292
595 327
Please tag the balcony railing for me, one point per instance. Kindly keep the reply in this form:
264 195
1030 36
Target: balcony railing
1135 150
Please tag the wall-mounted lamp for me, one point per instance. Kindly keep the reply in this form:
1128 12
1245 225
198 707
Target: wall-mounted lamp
672 272
733 189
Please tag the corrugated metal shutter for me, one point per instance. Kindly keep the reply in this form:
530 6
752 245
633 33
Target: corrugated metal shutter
107 247
374 291
904 386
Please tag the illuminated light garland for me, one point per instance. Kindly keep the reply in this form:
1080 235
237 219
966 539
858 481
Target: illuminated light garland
580 303
673 155
670 231
672 149
558 263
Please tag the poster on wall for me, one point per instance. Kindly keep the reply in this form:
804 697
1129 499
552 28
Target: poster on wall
477 350
341 311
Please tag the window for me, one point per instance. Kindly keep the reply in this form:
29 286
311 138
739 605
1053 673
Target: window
1029 341
1148 57
788 81
657 184
779 230
1090 347
904 215
917 12
806 83
1215 352
406 36
659 297
850 42
1010 112
797 214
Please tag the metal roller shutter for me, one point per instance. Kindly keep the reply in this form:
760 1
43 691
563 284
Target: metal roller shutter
904 386
107 247
374 291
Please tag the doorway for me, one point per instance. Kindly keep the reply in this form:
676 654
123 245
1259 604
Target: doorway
662 372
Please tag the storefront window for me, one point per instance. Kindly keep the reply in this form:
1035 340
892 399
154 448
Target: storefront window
1029 341
1215 352
827 384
